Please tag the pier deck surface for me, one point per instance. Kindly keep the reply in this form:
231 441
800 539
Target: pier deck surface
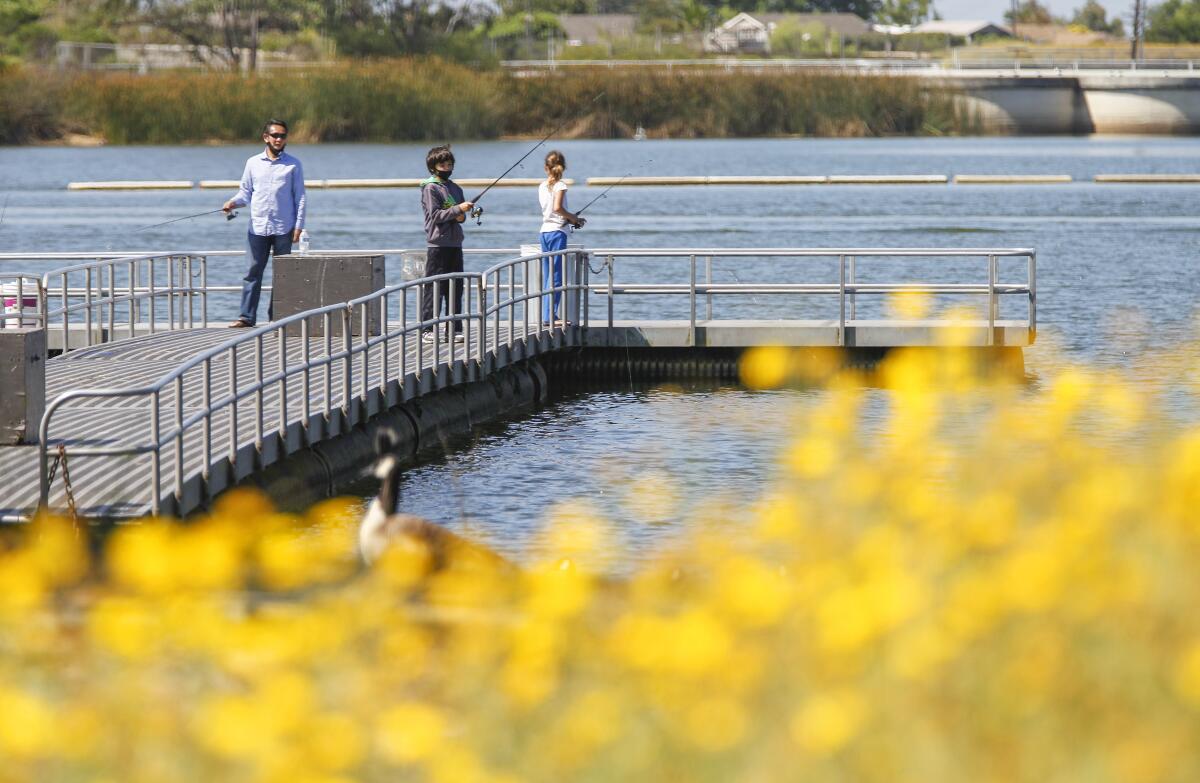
120 486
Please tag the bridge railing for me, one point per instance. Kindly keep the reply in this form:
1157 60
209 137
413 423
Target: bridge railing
344 360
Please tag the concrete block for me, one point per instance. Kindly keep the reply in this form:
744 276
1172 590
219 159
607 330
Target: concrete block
307 281
22 384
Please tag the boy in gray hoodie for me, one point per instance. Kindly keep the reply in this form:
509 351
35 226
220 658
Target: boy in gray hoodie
445 210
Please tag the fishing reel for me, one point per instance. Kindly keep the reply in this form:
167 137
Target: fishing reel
230 215
477 213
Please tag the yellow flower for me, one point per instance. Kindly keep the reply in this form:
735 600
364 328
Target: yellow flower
764 367
28 728
410 732
827 722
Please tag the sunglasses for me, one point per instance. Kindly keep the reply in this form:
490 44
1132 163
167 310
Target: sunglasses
277 135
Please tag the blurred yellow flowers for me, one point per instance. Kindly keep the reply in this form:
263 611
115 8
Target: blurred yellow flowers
1010 600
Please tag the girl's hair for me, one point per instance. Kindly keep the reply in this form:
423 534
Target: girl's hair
556 164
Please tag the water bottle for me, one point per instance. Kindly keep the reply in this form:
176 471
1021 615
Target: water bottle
304 240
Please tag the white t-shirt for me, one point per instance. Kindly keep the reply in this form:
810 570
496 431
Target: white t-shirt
551 220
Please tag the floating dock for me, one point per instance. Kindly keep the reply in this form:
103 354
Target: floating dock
166 419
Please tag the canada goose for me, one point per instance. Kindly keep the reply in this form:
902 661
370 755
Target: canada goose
382 526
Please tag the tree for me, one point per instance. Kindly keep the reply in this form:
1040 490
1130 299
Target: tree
1029 12
226 28
1093 16
1174 21
911 12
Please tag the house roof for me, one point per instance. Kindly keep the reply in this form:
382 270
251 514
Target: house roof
593 28
962 29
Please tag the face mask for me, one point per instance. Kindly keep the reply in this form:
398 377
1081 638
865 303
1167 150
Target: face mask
443 175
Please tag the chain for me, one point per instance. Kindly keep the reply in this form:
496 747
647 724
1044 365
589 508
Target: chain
62 454
595 271
61 459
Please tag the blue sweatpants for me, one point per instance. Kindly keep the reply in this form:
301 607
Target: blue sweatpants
552 274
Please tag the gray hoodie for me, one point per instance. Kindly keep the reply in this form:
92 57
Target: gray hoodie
439 200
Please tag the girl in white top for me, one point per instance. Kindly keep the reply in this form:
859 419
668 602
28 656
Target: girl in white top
552 195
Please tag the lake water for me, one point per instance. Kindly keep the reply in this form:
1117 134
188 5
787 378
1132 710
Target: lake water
1117 273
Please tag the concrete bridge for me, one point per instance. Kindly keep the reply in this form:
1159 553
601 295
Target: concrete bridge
1013 96
151 408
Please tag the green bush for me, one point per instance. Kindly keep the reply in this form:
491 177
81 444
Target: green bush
431 99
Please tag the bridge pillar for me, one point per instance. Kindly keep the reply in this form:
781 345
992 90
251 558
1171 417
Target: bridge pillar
22 384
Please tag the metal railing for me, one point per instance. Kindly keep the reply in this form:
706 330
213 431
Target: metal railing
335 366
352 376
846 284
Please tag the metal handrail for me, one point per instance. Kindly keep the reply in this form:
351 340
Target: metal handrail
504 292
350 349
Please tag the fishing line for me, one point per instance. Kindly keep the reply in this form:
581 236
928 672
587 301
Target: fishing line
228 216
477 211
604 193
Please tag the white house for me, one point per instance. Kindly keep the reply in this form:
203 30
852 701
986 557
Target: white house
751 33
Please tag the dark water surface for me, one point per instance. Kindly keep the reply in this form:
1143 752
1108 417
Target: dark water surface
1118 279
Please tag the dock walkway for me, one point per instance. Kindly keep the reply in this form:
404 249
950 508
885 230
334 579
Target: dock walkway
163 416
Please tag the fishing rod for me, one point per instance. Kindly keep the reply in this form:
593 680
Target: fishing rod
477 211
604 192
228 216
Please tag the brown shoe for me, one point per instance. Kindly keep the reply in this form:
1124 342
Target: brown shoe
241 323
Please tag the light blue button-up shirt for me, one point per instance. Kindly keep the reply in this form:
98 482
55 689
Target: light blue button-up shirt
274 189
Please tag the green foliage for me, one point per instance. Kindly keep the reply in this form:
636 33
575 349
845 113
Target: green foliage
1174 21
1029 12
430 99
792 39
1094 17
706 104
31 105
903 11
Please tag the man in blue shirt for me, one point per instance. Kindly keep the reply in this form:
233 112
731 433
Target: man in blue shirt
273 186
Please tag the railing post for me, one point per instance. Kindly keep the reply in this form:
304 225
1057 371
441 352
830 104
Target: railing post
233 411
152 295
708 297
179 444
991 336
692 299
66 318
585 273
281 365
87 304
258 392
842 301
133 302
347 370
204 291
155 456
403 373
610 296
481 295
207 429
853 291
327 323
305 395
1033 293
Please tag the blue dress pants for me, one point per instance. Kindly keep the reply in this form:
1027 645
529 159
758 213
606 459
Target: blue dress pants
259 250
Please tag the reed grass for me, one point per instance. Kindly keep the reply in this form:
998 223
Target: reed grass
429 99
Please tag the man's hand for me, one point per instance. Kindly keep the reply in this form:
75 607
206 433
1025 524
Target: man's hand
296 234
229 206
579 222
